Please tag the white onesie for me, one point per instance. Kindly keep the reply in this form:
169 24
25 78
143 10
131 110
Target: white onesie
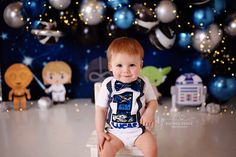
126 104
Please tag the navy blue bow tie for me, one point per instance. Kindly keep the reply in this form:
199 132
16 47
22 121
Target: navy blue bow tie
135 85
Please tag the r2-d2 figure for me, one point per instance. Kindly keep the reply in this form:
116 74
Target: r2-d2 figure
188 91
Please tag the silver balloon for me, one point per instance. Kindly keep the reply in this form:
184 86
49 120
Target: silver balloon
215 34
207 40
230 28
166 11
60 4
92 12
12 15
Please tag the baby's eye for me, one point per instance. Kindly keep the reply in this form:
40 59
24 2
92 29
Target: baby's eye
119 65
132 65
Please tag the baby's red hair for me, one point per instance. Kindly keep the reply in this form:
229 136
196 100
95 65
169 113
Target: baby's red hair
125 45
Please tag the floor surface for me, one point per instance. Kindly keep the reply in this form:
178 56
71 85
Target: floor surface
62 131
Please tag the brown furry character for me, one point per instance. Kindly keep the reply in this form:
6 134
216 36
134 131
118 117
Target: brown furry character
18 77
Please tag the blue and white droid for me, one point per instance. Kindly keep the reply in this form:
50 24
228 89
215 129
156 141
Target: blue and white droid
188 91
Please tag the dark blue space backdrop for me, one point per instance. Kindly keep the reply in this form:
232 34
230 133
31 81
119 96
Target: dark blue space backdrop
84 43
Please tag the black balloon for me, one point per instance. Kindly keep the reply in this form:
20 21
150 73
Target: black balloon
162 36
145 18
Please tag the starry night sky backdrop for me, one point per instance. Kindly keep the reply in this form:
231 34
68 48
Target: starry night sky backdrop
83 46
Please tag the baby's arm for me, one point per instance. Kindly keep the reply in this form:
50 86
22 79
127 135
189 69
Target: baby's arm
100 116
148 117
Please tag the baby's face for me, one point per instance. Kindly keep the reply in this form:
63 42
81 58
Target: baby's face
57 78
125 68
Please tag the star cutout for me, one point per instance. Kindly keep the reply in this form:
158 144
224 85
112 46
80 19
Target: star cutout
28 60
4 36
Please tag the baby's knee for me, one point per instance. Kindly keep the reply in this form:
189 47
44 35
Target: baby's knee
151 150
109 150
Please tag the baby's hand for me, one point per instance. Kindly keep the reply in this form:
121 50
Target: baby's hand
102 137
148 120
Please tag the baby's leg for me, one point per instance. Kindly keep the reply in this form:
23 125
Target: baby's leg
147 144
111 147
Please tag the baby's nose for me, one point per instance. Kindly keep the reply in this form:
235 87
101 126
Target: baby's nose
126 69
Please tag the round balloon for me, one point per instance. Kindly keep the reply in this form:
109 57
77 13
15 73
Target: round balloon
166 11
230 27
222 88
34 8
218 6
12 15
145 18
123 18
162 36
60 4
205 40
115 4
184 39
92 12
215 35
202 67
203 17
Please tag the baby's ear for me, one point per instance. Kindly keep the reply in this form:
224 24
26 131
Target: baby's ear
141 65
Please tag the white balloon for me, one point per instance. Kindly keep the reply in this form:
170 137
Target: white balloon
60 4
215 34
166 11
207 40
12 15
230 28
92 12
